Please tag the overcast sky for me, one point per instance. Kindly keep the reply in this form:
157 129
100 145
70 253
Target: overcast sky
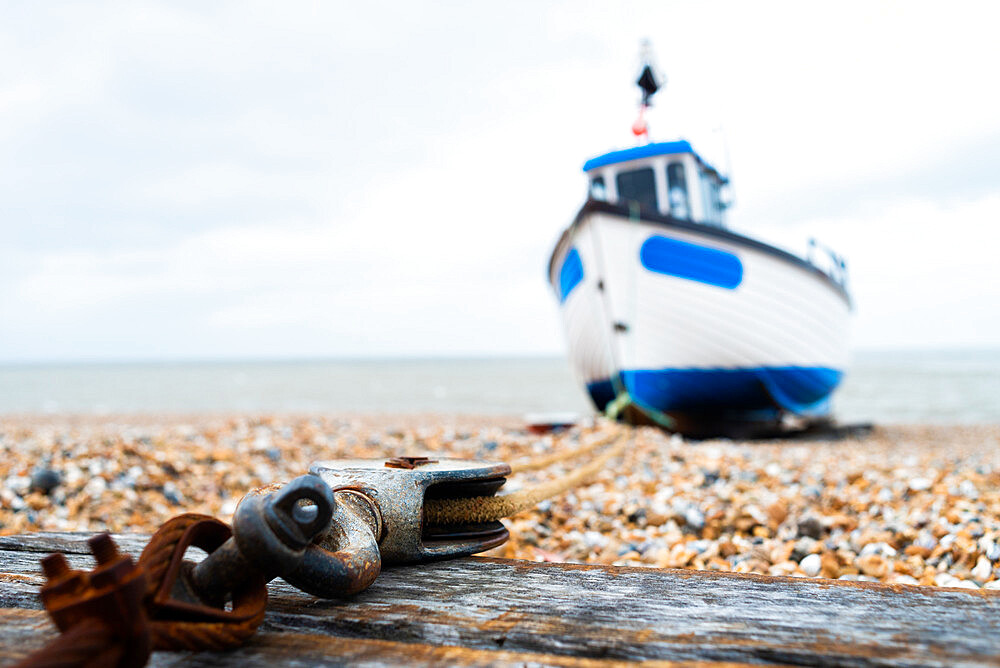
217 180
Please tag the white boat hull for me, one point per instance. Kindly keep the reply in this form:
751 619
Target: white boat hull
684 319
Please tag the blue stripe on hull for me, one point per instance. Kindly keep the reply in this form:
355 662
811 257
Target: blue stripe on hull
801 390
673 257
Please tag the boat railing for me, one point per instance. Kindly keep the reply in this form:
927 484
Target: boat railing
830 263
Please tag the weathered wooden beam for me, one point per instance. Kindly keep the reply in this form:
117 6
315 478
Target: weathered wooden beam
490 611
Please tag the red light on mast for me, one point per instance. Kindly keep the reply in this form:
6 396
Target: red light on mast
640 128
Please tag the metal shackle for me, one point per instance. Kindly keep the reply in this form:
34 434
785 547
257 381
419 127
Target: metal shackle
272 530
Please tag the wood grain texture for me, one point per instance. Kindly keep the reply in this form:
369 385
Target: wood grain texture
481 611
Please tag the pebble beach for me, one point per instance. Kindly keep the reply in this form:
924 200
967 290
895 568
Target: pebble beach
899 504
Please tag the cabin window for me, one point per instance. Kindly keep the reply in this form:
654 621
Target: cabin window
715 190
597 189
710 189
711 215
638 185
677 190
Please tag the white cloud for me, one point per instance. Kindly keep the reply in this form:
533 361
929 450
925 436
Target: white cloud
248 179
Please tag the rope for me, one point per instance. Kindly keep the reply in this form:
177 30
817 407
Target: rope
556 457
478 509
90 643
200 636
159 551
177 635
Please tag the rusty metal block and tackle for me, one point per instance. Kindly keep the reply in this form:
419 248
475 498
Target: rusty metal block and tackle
328 533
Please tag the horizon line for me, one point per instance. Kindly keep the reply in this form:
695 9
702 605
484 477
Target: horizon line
404 357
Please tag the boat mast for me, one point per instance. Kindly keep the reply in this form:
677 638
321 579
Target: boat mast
649 83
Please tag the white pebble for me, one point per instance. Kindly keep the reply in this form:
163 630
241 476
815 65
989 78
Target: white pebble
19 484
982 570
968 490
946 580
811 565
95 487
694 518
229 507
883 549
990 548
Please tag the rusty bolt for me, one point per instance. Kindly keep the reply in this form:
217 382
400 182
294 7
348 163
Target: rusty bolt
103 548
55 566
113 567
408 462
61 582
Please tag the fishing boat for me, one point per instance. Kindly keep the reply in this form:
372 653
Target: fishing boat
674 319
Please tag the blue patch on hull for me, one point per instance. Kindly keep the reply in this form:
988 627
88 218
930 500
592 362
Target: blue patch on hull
800 390
570 274
682 259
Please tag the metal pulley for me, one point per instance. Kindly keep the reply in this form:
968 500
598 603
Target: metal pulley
398 488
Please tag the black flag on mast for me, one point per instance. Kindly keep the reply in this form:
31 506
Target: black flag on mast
647 82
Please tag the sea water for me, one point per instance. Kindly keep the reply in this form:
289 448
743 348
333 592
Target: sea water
957 387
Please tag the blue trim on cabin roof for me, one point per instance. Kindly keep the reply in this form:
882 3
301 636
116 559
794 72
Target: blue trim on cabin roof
646 151
636 152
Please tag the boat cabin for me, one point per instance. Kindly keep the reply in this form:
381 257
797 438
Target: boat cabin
668 178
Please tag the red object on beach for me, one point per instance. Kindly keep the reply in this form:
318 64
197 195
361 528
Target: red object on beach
544 423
